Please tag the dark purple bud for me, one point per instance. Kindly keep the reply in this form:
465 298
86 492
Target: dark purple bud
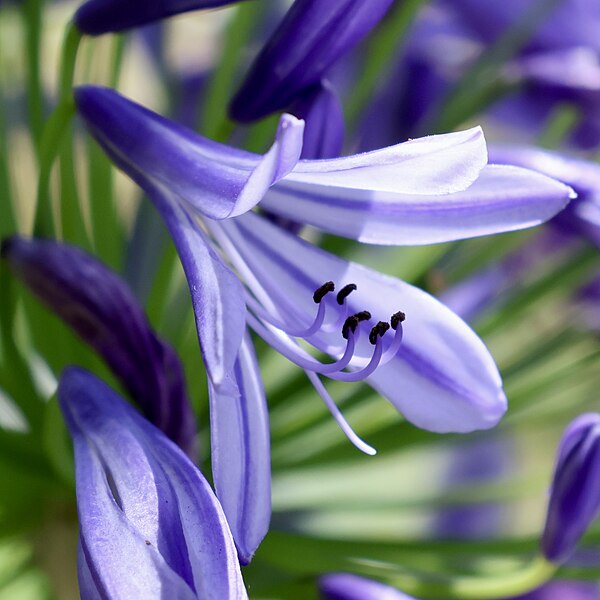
312 36
321 110
101 16
345 586
575 494
102 310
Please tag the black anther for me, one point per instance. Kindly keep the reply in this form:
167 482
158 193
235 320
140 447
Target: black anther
379 330
351 323
363 315
396 319
323 291
345 292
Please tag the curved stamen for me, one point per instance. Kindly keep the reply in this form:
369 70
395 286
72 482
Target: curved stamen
396 342
323 291
363 373
337 415
341 297
295 353
378 331
304 332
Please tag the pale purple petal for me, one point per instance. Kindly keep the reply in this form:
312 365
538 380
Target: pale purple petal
501 199
241 460
144 508
217 294
443 378
218 181
345 586
436 164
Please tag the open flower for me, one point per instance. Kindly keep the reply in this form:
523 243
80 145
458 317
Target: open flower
434 368
144 508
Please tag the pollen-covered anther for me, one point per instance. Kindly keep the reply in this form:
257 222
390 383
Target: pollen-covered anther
396 319
378 330
351 323
345 292
325 289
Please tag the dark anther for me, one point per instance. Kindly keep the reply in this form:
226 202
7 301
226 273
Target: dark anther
351 323
378 330
345 292
323 291
363 315
396 319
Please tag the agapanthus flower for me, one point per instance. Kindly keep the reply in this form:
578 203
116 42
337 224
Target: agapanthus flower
345 586
150 525
575 494
95 17
98 305
312 36
434 368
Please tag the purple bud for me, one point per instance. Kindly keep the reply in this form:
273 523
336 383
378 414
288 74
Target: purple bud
575 493
345 586
101 16
102 310
312 36
321 110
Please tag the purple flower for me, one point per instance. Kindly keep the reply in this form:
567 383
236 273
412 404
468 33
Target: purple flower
312 36
101 16
345 586
434 369
144 508
102 310
575 493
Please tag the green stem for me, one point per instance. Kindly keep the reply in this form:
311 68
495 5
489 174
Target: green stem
54 130
506 585
32 13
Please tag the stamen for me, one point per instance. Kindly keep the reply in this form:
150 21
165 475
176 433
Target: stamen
395 345
396 319
378 331
337 415
351 323
323 291
365 371
345 292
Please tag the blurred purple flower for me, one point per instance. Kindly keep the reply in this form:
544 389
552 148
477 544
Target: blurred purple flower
102 310
312 36
345 586
144 508
575 494
439 374
95 17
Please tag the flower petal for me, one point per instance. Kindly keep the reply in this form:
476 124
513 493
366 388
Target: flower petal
312 36
101 16
101 309
436 164
218 181
443 379
345 586
217 294
501 199
241 459
143 506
